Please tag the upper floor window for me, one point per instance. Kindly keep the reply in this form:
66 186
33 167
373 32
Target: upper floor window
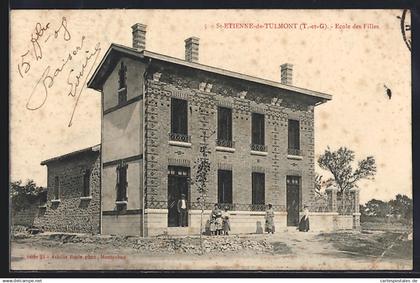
122 83
122 182
86 183
258 132
294 137
56 188
179 120
224 127
258 190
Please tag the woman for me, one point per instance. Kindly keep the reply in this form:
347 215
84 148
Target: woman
269 220
214 212
226 222
304 221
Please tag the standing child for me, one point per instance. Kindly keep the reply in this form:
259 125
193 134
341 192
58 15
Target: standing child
226 221
213 213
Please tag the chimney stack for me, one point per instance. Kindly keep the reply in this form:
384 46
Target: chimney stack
139 36
286 73
191 49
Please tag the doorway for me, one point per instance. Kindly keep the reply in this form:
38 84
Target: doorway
177 186
292 200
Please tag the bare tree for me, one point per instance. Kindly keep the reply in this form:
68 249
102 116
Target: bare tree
202 169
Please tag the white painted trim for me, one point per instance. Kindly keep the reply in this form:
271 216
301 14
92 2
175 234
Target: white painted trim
178 143
86 198
261 153
320 213
156 211
56 200
227 149
297 157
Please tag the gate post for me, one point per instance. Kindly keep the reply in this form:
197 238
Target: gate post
332 198
356 208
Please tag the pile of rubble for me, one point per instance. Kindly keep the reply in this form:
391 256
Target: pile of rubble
188 244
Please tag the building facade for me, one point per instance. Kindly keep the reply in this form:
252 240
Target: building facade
73 196
156 111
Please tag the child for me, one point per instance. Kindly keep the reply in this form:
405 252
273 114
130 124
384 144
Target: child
226 222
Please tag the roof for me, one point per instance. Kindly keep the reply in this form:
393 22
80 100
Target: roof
96 81
95 148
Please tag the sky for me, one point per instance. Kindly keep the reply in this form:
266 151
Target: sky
352 64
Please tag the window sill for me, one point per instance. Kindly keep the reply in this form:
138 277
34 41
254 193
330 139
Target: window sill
181 144
55 200
86 198
121 202
227 149
42 206
261 153
296 157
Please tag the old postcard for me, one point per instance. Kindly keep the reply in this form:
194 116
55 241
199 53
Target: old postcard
210 139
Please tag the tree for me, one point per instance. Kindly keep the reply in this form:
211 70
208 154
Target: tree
202 167
339 163
24 195
402 206
377 208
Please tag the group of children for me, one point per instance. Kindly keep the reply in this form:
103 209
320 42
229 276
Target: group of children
219 221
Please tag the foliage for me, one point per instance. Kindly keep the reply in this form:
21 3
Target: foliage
24 195
376 207
339 163
400 207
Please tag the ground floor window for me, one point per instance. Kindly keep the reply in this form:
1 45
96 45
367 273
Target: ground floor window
122 182
224 185
258 189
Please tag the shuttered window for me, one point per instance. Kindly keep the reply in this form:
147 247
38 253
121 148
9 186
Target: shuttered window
258 129
179 116
122 182
224 184
258 188
294 135
224 124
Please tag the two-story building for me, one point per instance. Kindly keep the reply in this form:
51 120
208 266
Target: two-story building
155 111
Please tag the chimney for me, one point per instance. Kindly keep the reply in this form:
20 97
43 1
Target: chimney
191 49
286 73
139 36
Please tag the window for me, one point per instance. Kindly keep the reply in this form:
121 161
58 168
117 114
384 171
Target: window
122 182
224 127
258 188
258 132
179 120
86 183
56 188
224 185
122 84
294 138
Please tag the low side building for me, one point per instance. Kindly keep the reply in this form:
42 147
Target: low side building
73 198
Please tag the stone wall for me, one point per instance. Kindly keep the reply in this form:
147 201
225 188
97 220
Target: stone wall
27 216
73 213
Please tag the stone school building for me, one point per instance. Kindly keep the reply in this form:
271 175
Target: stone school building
155 111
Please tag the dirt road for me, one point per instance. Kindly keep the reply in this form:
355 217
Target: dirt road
291 251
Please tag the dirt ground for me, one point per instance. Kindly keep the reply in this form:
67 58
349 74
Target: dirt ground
291 250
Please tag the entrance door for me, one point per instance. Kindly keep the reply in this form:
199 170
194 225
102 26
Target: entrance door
292 200
177 185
